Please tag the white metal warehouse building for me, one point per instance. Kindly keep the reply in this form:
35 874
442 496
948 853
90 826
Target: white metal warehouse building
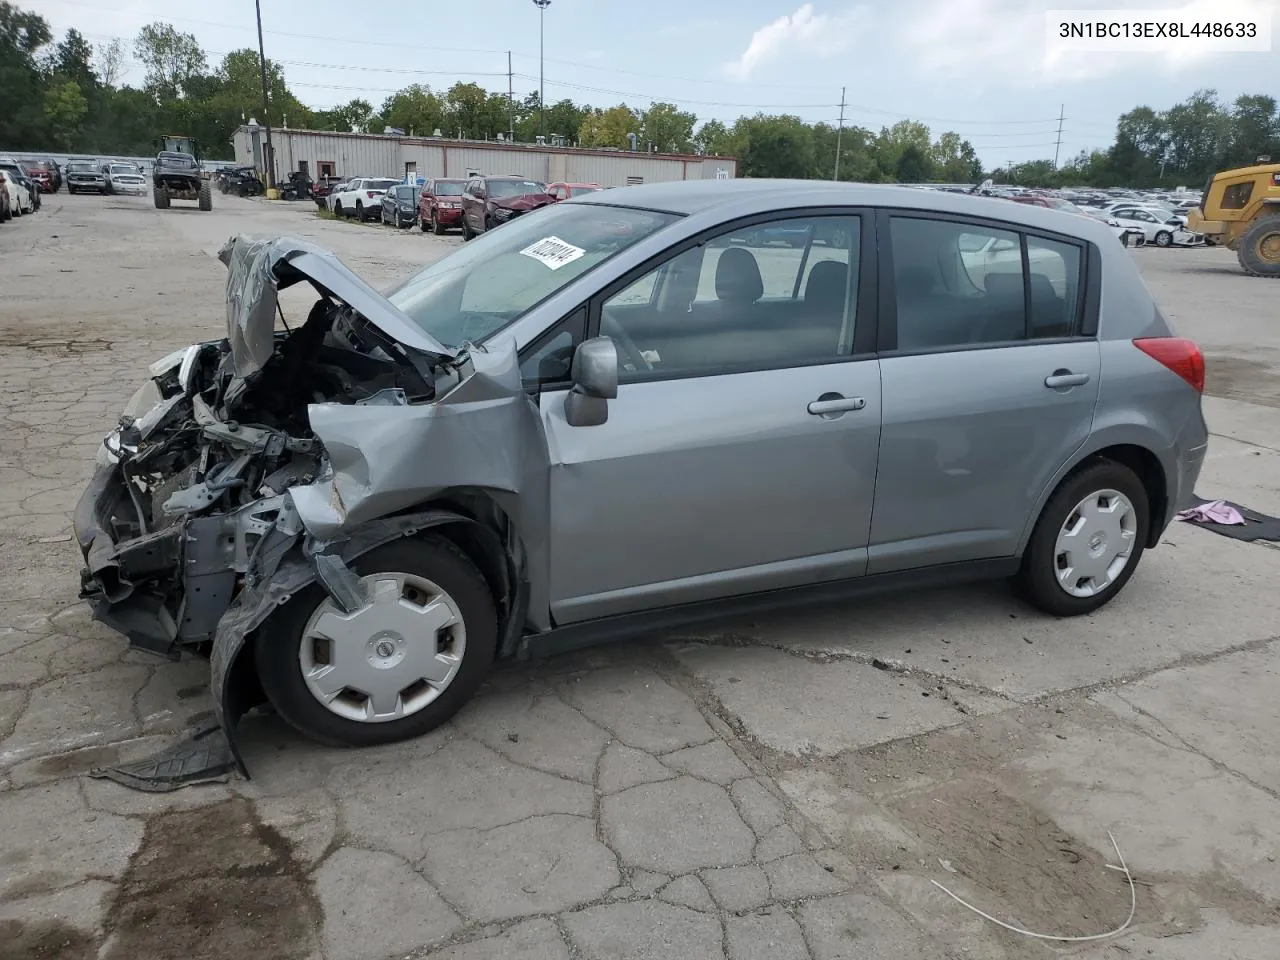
387 155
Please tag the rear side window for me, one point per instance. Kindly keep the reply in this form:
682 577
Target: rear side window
960 285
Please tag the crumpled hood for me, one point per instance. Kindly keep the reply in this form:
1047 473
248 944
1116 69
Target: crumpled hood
529 201
258 268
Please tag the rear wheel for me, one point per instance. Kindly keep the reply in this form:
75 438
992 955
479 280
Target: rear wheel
360 211
1087 542
400 665
161 197
206 198
337 208
1259 248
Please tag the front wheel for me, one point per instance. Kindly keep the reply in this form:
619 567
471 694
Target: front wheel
466 229
205 198
436 226
1259 248
337 208
400 665
1087 542
1164 239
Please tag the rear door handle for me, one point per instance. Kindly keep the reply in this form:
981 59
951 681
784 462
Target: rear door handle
1065 378
834 403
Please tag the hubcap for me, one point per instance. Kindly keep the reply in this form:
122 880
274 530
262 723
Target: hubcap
1095 543
388 659
1269 247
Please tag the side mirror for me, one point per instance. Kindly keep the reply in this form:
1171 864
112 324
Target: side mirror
594 372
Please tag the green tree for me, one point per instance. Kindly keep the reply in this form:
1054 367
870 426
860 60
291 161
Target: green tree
914 165
108 61
712 138
1199 134
22 35
669 129
774 146
473 112
609 128
1255 130
173 60
955 160
416 110
65 107
355 116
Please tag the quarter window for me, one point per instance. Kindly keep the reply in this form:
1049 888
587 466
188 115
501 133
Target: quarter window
778 294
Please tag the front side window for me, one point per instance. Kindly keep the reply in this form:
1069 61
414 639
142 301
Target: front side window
774 295
961 285
498 277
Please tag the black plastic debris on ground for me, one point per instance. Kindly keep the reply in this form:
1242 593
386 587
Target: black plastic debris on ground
203 757
1257 526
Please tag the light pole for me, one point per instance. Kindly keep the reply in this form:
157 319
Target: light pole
542 82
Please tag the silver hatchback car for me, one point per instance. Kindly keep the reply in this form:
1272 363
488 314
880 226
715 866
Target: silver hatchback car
632 409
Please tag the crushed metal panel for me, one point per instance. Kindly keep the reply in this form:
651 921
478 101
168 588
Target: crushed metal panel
259 267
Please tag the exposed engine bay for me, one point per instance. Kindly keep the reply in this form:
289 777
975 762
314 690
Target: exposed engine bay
204 465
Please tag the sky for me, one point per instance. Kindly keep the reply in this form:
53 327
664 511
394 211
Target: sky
983 68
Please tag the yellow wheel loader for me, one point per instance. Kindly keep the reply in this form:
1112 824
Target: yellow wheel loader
1240 209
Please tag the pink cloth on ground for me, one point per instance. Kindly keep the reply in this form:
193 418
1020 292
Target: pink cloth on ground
1215 511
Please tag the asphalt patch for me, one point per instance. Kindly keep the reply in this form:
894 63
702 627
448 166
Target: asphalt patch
214 883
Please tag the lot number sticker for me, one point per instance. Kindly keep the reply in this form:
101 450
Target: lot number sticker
553 252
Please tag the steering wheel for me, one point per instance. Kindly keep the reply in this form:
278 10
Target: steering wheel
613 330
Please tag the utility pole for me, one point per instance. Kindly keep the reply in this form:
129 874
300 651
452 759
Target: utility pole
269 161
839 136
1058 146
511 102
542 74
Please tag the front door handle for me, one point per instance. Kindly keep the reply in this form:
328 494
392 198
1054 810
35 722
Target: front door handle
830 403
1065 378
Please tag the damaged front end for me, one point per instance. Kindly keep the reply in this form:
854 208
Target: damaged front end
242 464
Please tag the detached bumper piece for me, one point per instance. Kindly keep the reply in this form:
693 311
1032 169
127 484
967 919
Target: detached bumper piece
205 756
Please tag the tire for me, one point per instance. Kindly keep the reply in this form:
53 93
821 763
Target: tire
337 209
422 224
360 211
436 226
1164 239
160 197
466 229
206 198
1038 581
281 649
1259 247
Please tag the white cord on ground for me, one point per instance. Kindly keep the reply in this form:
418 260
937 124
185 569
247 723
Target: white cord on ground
1133 908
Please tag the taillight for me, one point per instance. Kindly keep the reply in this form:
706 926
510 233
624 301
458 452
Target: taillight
1181 356
369 194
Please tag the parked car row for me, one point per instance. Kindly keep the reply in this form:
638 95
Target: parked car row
19 192
473 205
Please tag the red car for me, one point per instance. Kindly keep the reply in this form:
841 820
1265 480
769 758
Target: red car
440 205
489 202
563 191
41 171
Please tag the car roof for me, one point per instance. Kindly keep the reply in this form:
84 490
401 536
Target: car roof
741 197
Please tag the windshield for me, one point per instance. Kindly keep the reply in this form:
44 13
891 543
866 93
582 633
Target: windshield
579 191
79 167
448 188
122 168
501 275
515 188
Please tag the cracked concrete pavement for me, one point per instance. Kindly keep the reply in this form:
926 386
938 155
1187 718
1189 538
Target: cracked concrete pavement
774 787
